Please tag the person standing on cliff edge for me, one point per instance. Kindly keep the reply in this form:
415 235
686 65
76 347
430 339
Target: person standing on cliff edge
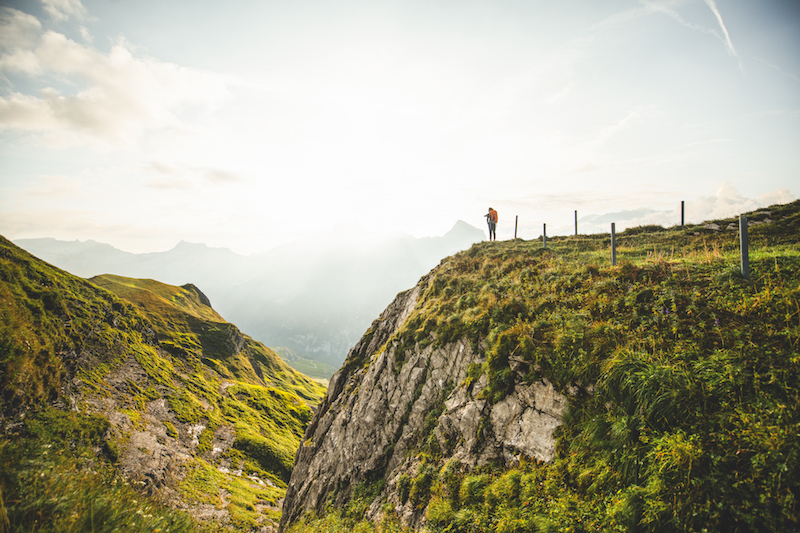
491 219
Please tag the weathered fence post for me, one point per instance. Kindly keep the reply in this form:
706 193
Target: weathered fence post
682 225
613 243
576 222
745 253
516 221
544 235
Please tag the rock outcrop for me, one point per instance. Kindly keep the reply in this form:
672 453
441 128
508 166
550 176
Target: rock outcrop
387 401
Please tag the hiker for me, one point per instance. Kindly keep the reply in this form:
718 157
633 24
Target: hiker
491 219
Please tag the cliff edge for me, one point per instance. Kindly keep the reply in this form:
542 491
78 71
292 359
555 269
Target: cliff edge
390 399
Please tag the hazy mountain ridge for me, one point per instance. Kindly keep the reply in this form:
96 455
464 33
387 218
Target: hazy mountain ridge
316 296
160 388
520 388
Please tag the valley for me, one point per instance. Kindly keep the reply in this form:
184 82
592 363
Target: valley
514 387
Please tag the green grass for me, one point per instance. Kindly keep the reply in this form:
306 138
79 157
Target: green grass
682 379
193 332
334 522
59 332
238 494
46 486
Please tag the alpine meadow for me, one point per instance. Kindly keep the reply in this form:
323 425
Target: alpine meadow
131 405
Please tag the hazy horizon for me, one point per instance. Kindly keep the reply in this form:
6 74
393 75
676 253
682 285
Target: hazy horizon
592 223
251 125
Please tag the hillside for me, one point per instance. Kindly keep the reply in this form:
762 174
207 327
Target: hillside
519 388
315 296
128 399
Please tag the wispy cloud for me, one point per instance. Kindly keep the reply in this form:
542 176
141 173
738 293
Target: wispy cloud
55 187
668 7
712 5
62 10
779 69
116 96
172 176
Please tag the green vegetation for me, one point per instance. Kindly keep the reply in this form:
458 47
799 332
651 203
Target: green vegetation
682 379
194 333
312 368
334 522
243 496
49 318
267 422
61 333
46 486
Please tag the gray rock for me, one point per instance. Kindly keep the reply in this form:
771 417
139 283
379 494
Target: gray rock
378 409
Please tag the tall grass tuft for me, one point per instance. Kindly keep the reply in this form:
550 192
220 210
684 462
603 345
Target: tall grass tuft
46 489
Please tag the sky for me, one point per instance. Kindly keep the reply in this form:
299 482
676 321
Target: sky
248 124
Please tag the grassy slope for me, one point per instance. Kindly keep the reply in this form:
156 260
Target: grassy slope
685 414
319 371
192 330
62 336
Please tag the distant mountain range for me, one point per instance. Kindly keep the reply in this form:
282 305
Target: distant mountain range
315 296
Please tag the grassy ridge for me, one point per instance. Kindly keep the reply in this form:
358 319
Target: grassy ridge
683 381
50 321
62 338
191 330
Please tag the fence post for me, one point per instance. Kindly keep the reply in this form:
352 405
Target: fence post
613 243
544 235
576 222
682 224
516 221
743 247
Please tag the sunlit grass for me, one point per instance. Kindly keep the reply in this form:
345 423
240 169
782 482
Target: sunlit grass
45 486
684 407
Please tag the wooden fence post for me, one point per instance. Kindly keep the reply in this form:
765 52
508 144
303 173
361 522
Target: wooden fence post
613 243
544 235
743 247
516 221
576 222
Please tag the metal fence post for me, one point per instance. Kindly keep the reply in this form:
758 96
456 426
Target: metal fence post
682 211
544 235
743 247
613 243
516 221
576 222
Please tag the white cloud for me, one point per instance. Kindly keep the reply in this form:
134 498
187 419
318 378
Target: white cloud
116 96
778 196
172 176
62 10
59 186
712 5
666 8
726 202
18 29
86 35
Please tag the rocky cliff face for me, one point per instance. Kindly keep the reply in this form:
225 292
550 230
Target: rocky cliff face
389 399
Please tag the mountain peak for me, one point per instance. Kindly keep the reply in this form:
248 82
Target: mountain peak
464 230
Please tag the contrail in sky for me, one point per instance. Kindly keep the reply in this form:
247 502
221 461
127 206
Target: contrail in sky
713 6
